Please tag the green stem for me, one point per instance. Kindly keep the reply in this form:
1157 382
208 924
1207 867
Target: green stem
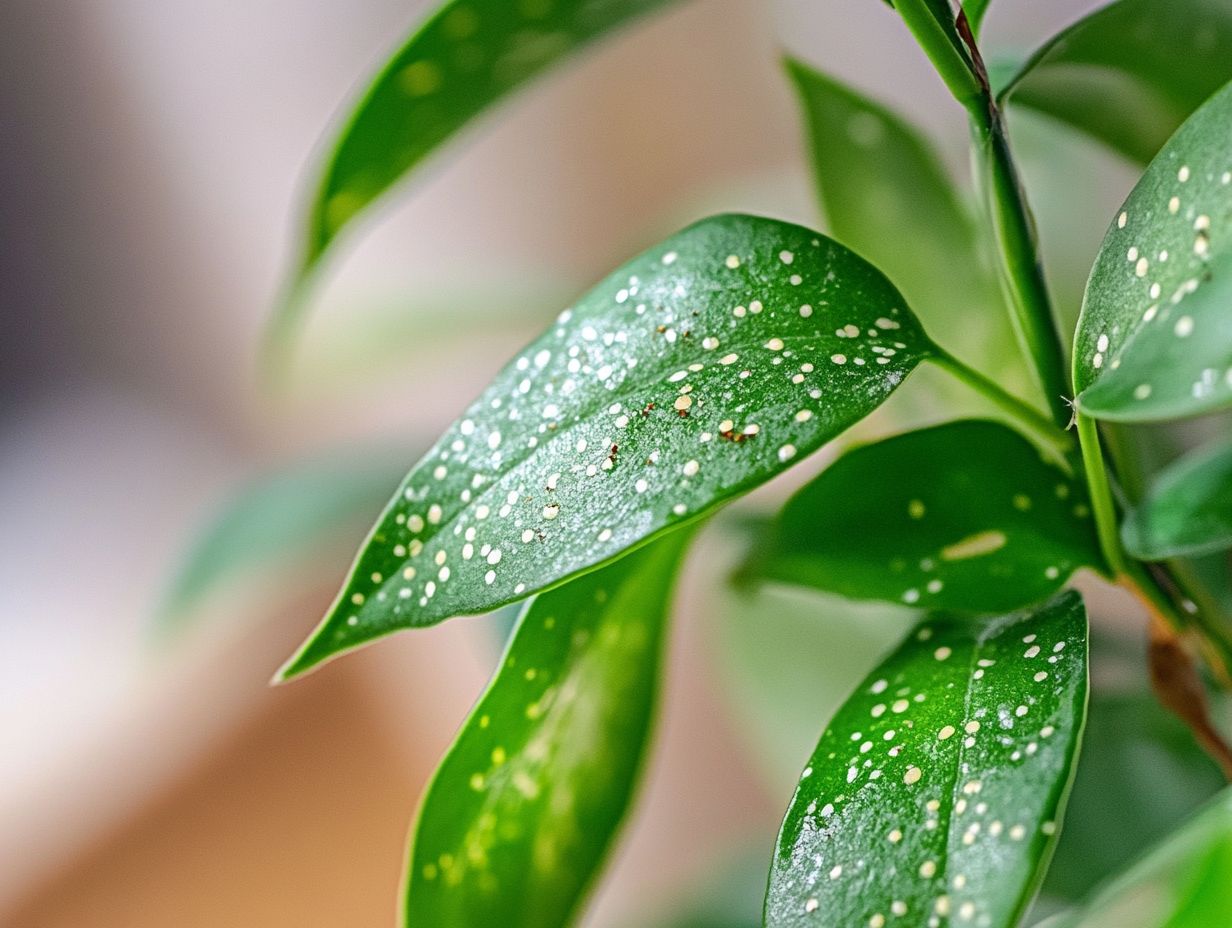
1022 277
1102 504
939 45
1047 435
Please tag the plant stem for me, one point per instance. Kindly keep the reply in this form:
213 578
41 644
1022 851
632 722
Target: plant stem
1047 435
946 56
1022 277
1100 489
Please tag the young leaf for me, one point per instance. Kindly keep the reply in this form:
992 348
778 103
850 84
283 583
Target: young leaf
962 516
937 790
1131 72
694 373
469 54
1185 882
523 808
1188 510
277 519
1154 340
888 197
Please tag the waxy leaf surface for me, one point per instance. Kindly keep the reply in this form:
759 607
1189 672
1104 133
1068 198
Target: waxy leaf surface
1131 72
1188 510
691 375
1186 882
469 54
963 516
936 792
887 195
1154 340
523 809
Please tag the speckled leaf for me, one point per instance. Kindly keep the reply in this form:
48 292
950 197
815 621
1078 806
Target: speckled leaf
469 54
1154 340
961 516
522 810
1131 72
1186 882
887 196
938 788
1188 510
691 375
277 519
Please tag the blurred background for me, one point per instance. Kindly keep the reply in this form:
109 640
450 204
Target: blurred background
152 161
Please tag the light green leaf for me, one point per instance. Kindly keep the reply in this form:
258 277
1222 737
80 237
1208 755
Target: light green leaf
1130 747
938 788
888 197
1188 509
1186 882
521 812
963 516
466 56
1131 72
1154 340
696 372
279 519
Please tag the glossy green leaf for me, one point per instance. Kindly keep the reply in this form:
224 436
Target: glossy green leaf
1154 340
1186 882
887 195
694 373
279 519
467 55
521 812
938 788
1130 747
963 516
1131 72
1188 510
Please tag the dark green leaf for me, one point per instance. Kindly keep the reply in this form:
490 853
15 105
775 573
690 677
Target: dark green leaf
1154 340
1130 748
520 814
469 54
1186 882
1132 72
962 516
888 197
938 788
691 375
278 519
1188 510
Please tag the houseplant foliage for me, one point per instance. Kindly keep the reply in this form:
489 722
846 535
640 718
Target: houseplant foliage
728 353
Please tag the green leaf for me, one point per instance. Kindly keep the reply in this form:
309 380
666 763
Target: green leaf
522 810
1154 340
1186 882
1130 73
975 10
696 372
469 54
279 519
962 516
1130 747
887 195
938 788
1188 510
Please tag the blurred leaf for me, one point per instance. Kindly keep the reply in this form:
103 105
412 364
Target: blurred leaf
1131 72
975 10
467 55
696 372
888 197
1185 882
1188 510
937 789
962 516
1154 340
280 518
1131 748
521 812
